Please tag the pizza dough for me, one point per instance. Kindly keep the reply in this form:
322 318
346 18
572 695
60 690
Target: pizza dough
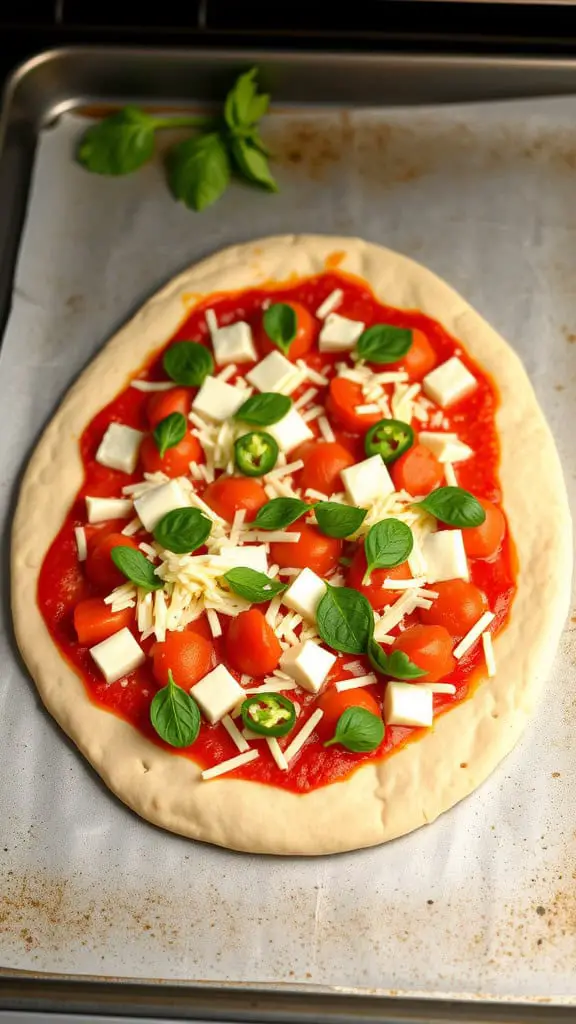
380 800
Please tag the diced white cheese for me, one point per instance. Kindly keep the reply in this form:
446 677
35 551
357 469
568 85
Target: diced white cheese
353 684
366 481
217 693
118 655
274 373
339 334
247 556
449 382
158 501
308 664
228 766
119 448
408 704
304 594
81 544
277 753
99 510
234 344
446 447
217 400
235 734
290 431
331 302
301 737
473 634
445 556
489 654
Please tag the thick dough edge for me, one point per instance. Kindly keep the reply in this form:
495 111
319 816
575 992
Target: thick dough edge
380 801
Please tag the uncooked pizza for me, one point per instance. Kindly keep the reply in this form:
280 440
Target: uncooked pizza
291 561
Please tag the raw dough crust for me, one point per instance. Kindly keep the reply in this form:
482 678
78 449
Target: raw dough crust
381 800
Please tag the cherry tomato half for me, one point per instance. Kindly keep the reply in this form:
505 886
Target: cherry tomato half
418 471
323 463
306 331
175 461
186 654
379 597
95 621
228 494
486 540
458 607
429 647
251 644
100 568
163 403
344 396
314 549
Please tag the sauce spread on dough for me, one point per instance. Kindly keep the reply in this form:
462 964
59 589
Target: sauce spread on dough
64 581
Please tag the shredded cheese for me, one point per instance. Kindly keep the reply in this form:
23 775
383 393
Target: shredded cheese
228 766
312 375
227 372
132 527
331 302
472 635
438 687
450 475
149 551
395 613
273 536
313 413
152 385
213 622
211 321
353 684
355 668
415 583
300 739
287 470
273 685
305 397
489 654
326 429
235 734
277 754
81 544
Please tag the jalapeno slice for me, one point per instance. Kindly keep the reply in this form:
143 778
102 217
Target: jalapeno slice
389 439
255 453
268 714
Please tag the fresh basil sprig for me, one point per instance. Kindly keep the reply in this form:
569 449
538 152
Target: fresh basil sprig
358 730
264 409
454 506
136 567
281 325
345 620
388 544
279 512
383 343
198 169
253 586
169 432
337 520
175 715
397 664
188 363
183 530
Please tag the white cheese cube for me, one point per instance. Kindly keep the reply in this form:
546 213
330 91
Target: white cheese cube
234 344
304 594
99 510
408 704
307 664
274 373
444 556
366 481
339 334
446 447
154 504
449 382
290 431
118 655
119 448
248 556
217 400
217 694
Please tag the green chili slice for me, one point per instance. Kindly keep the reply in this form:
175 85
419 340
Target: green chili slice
389 439
269 714
255 453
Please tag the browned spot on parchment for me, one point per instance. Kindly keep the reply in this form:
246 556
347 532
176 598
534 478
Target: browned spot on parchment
75 303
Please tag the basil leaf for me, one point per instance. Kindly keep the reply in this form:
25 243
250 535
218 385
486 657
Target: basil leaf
243 106
279 512
281 324
337 520
388 544
358 730
183 530
254 586
119 144
345 620
175 715
383 343
252 164
188 362
454 506
199 170
264 409
397 664
136 567
169 432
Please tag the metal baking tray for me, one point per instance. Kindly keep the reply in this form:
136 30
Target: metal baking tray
468 165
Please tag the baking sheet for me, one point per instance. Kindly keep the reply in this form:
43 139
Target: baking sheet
483 902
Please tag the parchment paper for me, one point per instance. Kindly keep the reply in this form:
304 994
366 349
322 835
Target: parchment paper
483 901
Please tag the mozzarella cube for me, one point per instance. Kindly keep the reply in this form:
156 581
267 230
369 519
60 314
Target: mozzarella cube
99 510
366 481
234 344
290 431
304 594
307 664
154 504
119 448
247 556
339 334
444 556
446 447
408 704
217 400
449 382
274 373
118 655
217 694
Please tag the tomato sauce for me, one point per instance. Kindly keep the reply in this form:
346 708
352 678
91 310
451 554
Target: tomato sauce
62 582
